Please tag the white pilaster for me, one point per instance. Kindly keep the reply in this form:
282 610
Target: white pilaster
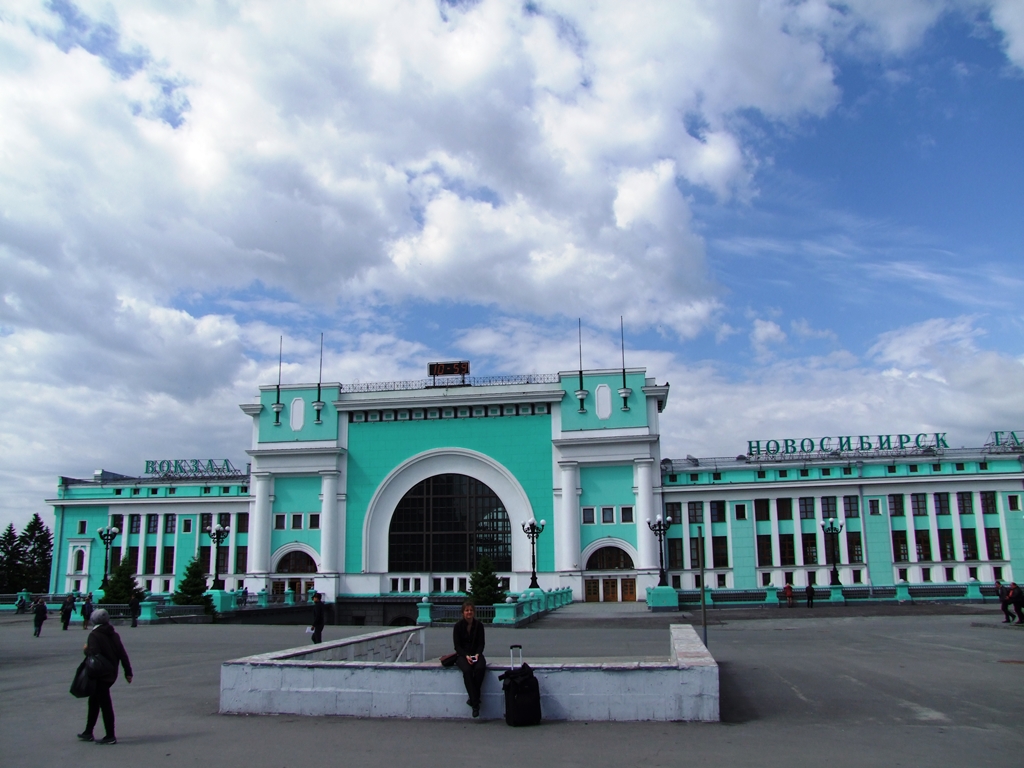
331 554
567 526
259 525
646 541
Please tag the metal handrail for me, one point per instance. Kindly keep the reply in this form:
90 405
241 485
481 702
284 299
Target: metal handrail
452 381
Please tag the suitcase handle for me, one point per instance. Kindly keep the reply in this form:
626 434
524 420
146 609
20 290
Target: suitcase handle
511 662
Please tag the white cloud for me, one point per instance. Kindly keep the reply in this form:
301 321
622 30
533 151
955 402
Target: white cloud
1008 18
764 335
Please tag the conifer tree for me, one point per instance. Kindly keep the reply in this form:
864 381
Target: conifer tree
12 565
37 548
121 585
192 587
484 587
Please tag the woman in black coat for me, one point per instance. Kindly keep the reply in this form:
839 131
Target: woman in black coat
105 642
469 648
39 609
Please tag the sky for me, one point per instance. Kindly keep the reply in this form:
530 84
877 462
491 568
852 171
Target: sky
807 214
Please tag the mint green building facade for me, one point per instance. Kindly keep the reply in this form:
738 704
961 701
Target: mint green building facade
398 489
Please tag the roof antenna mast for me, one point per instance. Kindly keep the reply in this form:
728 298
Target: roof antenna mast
319 404
277 404
581 393
625 392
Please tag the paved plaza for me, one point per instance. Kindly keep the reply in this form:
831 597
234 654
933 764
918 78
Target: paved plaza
921 686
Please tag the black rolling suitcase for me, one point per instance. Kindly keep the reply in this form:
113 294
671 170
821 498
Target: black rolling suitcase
522 692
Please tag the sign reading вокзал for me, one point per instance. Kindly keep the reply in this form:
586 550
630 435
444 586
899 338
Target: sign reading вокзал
190 468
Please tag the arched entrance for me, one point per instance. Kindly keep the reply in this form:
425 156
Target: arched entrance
295 564
607 583
446 524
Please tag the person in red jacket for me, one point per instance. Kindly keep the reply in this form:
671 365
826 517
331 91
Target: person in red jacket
106 643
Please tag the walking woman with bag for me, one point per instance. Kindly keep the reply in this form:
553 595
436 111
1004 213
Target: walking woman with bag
103 652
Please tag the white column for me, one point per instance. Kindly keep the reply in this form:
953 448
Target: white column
232 545
330 524
567 525
259 526
646 541
158 566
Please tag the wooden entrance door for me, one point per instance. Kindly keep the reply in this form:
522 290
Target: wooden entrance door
610 588
629 590
591 591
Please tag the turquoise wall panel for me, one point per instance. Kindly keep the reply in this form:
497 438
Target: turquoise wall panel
609 487
786 526
283 433
878 543
522 444
744 573
573 421
297 494
279 538
853 524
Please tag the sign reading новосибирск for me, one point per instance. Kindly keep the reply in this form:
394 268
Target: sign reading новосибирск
847 444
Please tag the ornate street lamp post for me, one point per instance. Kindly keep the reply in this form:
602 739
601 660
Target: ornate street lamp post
660 528
107 536
218 533
532 529
832 532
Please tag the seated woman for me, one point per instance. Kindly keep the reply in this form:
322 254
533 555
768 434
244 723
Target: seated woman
469 647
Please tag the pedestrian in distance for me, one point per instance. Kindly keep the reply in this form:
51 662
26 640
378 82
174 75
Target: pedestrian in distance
789 595
1003 590
810 595
468 637
39 609
20 604
318 618
1017 599
67 609
86 611
105 642
134 610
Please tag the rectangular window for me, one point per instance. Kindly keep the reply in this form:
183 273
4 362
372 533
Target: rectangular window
807 508
988 502
694 552
926 574
896 504
297 522
923 540
314 522
787 549
721 581
462 584
717 511
874 508
152 526
170 524
851 506
150 560
242 522
626 515
168 564
805 473
900 553
675 553
783 473
854 546
828 507
206 522
812 578
437 584
919 504
965 502
677 581
222 559
588 515
83 527
134 523
279 522
1014 502
695 511
994 544
946 551
241 559
941 503
764 551
224 519
607 515
902 573
784 509
204 559
117 521
720 551
186 525
950 574
857 578
810 542
766 579
970 540
115 557
741 511
673 509
133 559
762 509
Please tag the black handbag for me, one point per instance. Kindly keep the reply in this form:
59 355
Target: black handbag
99 666
83 684
449 660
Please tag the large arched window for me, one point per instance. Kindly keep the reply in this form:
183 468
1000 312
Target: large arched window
447 523
610 559
296 561
79 560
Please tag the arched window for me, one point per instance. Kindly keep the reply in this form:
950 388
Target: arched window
79 560
610 559
296 562
447 523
